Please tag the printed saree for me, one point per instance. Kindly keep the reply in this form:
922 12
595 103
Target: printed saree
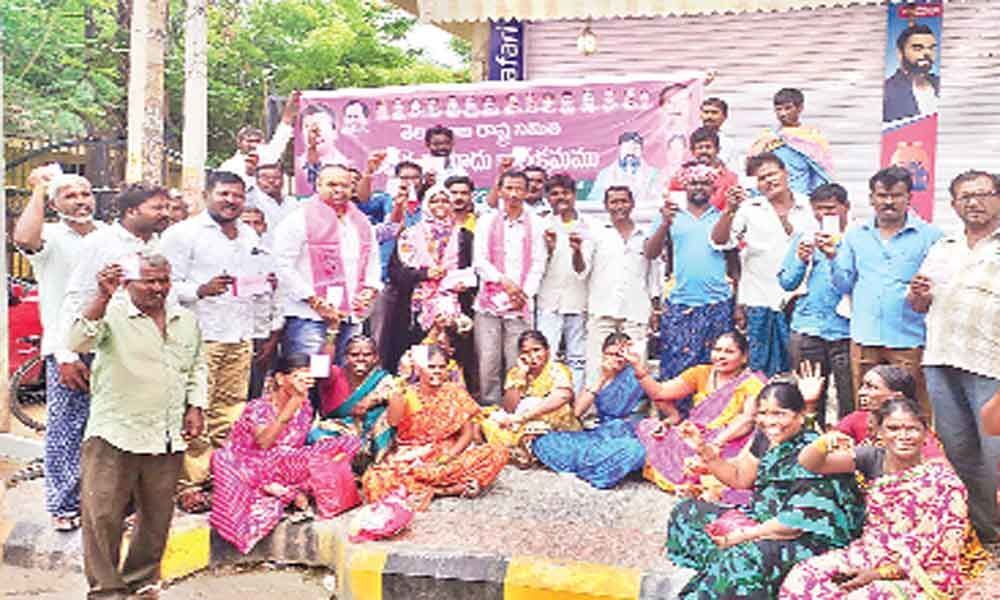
553 376
338 403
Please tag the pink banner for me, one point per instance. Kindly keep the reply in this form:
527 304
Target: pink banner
615 131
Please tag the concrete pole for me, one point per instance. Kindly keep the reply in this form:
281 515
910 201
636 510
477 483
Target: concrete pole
145 92
4 314
195 142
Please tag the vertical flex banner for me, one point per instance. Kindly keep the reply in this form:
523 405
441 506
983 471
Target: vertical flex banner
506 58
910 96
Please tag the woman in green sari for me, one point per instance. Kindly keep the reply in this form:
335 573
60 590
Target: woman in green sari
794 514
353 401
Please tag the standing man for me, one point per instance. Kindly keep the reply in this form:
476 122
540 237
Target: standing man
251 151
762 227
509 257
268 319
714 112
268 196
821 334
958 285
211 254
623 282
535 200
874 263
327 257
705 149
700 306
803 148
562 297
461 187
54 249
438 163
149 385
912 90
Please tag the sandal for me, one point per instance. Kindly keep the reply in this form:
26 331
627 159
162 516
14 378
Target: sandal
301 516
471 489
194 501
147 592
66 523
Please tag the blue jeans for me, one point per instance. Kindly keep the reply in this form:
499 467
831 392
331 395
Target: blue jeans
308 336
572 329
958 397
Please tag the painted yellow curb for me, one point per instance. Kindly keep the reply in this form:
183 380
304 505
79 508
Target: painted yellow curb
187 551
541 579
364 574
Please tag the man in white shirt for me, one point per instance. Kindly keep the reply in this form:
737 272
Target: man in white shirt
328 266
211 265
623 282
762 227
268 318
251 150
268 197
53 249
562 296
509 257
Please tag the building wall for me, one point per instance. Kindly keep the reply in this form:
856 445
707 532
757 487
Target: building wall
835 55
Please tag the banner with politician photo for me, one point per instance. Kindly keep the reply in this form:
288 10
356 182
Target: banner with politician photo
602 131
910 97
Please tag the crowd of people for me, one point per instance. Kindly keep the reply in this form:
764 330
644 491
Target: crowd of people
269 350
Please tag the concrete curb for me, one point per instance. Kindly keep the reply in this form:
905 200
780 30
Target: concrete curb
20 448
371 571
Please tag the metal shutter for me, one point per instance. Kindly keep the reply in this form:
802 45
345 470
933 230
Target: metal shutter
835 55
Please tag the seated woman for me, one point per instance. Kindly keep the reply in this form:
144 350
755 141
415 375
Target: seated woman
435 454
794 514
602 456
537 398
265 465
880 384
915 524
724 409
353 400
431 270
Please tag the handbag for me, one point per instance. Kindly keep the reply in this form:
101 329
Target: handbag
332 483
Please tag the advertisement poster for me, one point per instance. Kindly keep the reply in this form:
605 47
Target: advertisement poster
910 97
604 131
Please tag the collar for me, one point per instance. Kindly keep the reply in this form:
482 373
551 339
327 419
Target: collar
913 222
173 311
125 234
203 219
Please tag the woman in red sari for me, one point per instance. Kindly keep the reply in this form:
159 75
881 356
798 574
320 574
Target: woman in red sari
436 455
265 465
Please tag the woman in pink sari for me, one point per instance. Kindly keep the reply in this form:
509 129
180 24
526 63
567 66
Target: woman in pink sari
724 409
265 465
914 540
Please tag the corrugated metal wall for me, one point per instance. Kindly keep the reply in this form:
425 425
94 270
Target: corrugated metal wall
835 55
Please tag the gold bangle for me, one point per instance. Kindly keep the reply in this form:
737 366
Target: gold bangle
889 572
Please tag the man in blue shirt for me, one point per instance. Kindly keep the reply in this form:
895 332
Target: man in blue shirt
820 334
874 264
700 306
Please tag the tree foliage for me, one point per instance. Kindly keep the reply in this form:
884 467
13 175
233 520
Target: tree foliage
66 61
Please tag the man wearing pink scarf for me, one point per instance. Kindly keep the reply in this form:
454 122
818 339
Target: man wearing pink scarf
509 257
328 265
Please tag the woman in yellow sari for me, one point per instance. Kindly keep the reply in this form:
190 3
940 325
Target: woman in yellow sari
537 399
436 453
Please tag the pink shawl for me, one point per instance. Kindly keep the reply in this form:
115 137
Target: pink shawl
496 248
323 243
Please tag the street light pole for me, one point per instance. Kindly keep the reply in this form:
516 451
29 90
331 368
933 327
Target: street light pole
145 92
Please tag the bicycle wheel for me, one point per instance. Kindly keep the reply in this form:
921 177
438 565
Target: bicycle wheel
27 393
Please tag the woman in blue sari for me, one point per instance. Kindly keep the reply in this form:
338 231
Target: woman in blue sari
602 456
353 400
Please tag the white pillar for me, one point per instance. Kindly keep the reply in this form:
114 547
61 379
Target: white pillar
145 92
195 138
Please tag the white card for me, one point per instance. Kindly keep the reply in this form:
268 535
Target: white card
678 197
831 224
453 279
334 295
319 365
520 155
130 267
252 285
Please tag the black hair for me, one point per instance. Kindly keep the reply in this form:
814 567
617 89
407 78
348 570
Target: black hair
364 107
532 335
890 176
789 96
438 130
361 339
704 134
828 191
407 164
222 177
718 103
560 180
460 179
785 393
248 130
534 169
275 165
615 337
756 162
512 174
137 193
897 379
435 350
618 188
320 109
904 36
287 363
971 175
630 136
739 339
905 404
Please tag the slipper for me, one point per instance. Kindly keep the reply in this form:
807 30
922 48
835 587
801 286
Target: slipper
66 523
301 516
194 501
